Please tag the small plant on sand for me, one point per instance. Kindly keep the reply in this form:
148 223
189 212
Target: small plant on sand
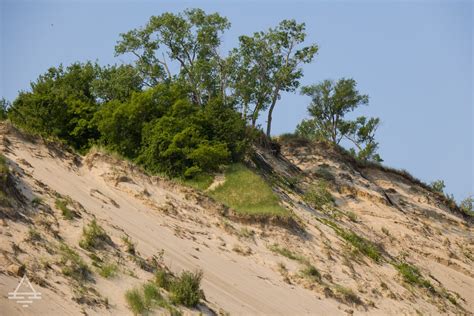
34 235
347 295
62 206
94 237
135 301
73 265
108 270
287 253
311 273
129 244
412 275
318 195
185 289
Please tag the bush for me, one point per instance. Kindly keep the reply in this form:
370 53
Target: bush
108 270
467 206
73 265
311 273
318 195
438 186
163 279
93 237
185 290
151 294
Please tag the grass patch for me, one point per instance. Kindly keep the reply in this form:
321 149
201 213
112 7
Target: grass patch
412 275
347 295
318 195
73 265
135 301
93 237
201 181
65 211
287 253
247 193
185 289
34 235
4 172
130 246
311 273
108 270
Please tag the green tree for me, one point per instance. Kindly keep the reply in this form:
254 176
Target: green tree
191 39
438 186
267 64
4 105
117 83
330 103
467 206
61 103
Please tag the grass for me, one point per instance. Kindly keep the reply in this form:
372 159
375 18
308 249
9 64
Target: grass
129 245
73 265
65 211
318 195
4 172
135 301
93 237
108 270
311 273
247 193
201 181
412 275
287 253
185 289
34 235
347 294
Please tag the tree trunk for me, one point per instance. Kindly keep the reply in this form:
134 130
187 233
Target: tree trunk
270 111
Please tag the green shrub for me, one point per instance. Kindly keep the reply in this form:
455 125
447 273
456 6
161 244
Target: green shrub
438 186
163 279
467 206
93 237
129 245
185 290
363 245
151 295
135 301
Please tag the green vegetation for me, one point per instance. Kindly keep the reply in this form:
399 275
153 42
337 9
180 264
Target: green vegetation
412 275
287 253
72 264
467 206
330 102
201 181
34 235
108 270
318 196
185 289
67 213
311 273
4 172
93 237
247 193
129 245
135 301
4 105
438 186
362 244
347 295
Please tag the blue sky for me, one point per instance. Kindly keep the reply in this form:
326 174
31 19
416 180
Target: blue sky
413 58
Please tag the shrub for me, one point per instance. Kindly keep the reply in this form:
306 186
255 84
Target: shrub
467 206
108 270
93 237
163 279
135 301
185 290
438 186
151 294
129 245
311 273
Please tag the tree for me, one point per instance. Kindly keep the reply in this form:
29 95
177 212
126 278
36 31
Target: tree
191 39
267 64
331 101
4 105
61 103
438 186
117 83
467 206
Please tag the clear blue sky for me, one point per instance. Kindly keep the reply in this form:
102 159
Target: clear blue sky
413 58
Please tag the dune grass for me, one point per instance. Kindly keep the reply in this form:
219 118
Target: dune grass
200 182
247 193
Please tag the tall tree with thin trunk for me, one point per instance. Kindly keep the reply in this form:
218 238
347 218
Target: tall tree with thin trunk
267 64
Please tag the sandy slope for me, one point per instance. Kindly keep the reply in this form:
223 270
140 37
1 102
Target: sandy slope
159 214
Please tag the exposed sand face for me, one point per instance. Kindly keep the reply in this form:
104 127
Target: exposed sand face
241 275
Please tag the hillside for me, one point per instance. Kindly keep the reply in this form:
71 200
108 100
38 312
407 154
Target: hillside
353 239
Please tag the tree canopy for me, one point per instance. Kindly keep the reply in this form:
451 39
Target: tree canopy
330 103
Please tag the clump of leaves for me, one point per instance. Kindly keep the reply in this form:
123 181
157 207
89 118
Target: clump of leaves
185 289
94 237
